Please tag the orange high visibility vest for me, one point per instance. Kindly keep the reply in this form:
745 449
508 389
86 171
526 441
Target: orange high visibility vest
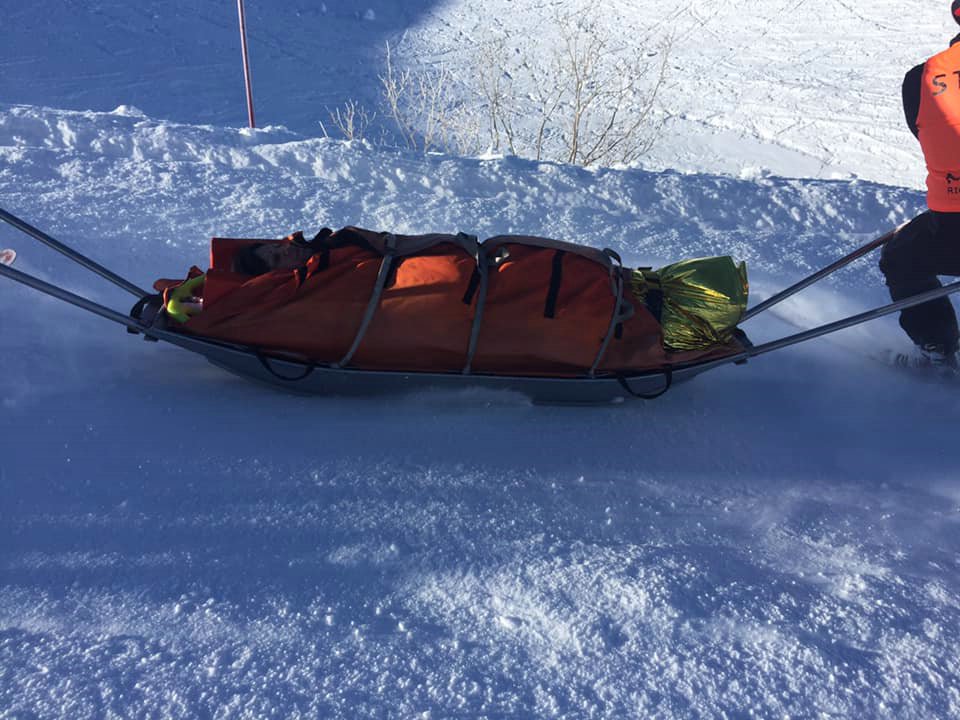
938 123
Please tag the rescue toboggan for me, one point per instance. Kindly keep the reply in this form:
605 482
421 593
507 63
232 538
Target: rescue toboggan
376 313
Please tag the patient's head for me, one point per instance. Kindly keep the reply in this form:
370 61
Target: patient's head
261 258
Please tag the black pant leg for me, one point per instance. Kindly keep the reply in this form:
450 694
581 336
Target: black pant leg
928 246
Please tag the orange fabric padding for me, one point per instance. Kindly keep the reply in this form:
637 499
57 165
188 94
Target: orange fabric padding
938 124
422 322
317 319
425 316
516 334
219 284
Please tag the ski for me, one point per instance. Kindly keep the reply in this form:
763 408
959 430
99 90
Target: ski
7 257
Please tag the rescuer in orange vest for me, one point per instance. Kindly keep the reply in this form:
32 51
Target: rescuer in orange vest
929 245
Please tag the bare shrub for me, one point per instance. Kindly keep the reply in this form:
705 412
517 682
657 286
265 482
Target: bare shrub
587 99
498 91
430 108
593 102
352 121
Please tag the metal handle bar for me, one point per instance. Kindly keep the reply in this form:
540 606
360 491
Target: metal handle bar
816 332
69 297
856 319
820 274
72 254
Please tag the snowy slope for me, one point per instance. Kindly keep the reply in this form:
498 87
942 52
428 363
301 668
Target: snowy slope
778 539
807 89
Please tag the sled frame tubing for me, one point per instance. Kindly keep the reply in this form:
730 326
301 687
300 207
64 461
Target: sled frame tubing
820 274
137 326
73 299
828 328
83 260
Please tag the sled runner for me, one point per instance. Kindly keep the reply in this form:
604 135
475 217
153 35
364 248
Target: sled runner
504 337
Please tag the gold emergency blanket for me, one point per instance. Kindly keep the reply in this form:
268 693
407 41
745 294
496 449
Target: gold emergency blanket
700 300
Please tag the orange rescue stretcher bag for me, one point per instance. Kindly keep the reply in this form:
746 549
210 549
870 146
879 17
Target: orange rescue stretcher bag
375 313
511 305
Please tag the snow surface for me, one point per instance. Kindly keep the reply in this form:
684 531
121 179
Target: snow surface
804 88
773 540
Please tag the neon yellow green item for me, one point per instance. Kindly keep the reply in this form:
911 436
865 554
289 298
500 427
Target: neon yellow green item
702 300
178 306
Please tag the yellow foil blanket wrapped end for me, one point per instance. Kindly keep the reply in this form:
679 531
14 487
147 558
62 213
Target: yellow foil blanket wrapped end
700 300
182 305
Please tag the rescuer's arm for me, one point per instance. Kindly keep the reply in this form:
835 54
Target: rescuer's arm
911 97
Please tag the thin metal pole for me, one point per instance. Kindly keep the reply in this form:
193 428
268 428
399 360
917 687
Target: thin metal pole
819 275
828 328
66 296
246 63
856 319
72 254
